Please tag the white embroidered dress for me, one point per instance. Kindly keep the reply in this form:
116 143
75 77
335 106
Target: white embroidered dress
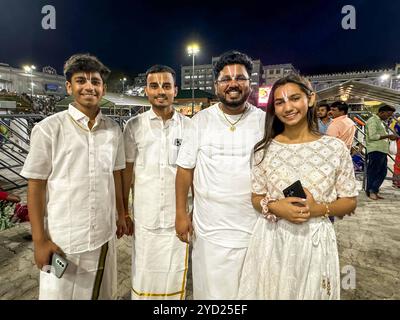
297 261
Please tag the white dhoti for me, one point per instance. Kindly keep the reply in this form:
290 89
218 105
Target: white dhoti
159 264
216 270
89 275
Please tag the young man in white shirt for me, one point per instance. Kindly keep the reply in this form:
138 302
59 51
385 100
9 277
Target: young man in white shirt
215 156
152 142
75 189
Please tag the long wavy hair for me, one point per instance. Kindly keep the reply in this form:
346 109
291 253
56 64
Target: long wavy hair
274 126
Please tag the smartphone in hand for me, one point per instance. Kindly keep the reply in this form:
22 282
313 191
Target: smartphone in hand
295 190
59 265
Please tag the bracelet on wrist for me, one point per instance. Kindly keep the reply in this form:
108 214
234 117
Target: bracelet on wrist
327 211
265 210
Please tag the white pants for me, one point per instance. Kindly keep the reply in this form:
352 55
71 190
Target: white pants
89 275
216 270
159 264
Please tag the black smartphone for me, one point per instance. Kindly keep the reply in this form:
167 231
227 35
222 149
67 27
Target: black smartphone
295 190
59 264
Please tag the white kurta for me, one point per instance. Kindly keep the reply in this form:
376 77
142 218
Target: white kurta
223 214
78 164
159 260
297 261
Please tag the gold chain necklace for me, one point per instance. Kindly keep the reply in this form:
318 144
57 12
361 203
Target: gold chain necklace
232 124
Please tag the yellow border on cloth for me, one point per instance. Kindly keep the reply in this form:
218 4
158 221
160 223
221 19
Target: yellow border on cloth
182 292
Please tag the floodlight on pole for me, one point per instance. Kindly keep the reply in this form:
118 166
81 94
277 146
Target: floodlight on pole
123 84
29 69
192 50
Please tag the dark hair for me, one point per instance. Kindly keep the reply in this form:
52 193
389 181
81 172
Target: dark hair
342 106
386 108
273 126
157 68
85 62
325 105
232 57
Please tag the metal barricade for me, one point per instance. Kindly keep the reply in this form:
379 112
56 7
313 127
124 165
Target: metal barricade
15 140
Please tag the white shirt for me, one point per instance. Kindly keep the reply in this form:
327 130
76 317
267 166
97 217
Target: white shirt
78 165
153 146
223 212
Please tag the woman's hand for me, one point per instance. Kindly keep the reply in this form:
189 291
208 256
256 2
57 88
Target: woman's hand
292 209
316 209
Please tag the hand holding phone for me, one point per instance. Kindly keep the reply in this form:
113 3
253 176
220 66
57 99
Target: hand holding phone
295 190
59 265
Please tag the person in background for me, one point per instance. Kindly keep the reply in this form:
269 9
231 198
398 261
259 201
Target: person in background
324 119
377 147
341 127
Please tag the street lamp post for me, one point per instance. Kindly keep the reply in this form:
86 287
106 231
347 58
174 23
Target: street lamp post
123 84
30 69
192 51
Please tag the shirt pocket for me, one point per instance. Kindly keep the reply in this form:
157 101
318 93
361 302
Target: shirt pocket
173 151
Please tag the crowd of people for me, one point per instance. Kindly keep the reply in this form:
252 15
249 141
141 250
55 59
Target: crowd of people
334 121
249 240
40 104
45 104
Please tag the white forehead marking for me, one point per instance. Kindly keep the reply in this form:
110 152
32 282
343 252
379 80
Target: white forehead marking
285 95
88 76
160 81
233 71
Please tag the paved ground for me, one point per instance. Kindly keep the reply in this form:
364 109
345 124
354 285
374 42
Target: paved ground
368 241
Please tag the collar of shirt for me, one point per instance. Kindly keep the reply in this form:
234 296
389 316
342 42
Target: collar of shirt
83 119
339 118
323 123
153 115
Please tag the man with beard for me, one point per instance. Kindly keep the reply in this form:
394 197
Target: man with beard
152 141
215 156
323 117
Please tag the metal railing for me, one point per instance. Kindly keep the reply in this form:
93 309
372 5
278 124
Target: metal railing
14 147
16 131
15 140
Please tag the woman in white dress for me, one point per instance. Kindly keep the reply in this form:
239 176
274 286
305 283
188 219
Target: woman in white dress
293 251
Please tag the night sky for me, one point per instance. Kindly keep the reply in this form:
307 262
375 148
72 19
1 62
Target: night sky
133 35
